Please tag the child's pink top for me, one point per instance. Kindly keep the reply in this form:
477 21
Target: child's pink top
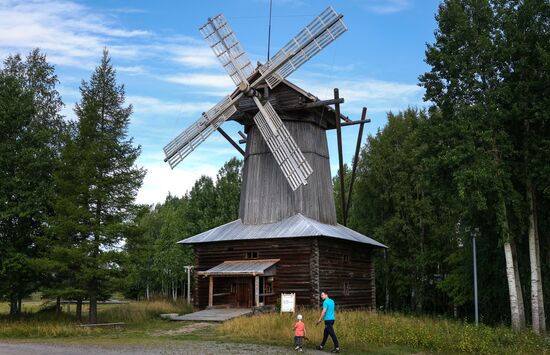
299 328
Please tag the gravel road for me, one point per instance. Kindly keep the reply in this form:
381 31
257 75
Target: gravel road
186 347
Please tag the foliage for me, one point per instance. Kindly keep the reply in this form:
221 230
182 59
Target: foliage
155 262
30 126
97 183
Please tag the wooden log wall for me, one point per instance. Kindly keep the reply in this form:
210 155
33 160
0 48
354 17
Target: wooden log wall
292 275
343 262
266 196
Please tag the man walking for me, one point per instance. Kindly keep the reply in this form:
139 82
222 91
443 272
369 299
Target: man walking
328 315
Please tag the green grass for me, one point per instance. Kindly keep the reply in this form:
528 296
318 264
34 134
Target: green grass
361 331
358 331
46 324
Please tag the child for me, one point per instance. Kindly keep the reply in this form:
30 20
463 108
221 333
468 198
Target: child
299 334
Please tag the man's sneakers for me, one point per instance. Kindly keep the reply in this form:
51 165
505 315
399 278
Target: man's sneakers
320 347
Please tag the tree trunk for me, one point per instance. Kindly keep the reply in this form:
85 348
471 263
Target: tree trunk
147 294
13 306
93 309
79 310
19 302
514 285
537 299
58 306
512 274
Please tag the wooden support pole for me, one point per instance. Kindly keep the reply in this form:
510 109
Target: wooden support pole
324 103
356 156
257 291
340 156
233 143
352 123
211 291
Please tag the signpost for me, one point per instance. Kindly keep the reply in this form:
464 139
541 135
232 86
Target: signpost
288 302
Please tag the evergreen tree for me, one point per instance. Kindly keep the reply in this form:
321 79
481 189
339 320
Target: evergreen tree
100 181
31 126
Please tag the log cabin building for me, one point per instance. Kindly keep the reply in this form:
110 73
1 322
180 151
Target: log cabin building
284 241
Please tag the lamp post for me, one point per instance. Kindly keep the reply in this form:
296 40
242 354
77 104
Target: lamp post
188 269
474 234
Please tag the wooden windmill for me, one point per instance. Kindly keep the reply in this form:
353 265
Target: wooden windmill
287 192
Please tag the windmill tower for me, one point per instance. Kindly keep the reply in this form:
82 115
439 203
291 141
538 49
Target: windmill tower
287 206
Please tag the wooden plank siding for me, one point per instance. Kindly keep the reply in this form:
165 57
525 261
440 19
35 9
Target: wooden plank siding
307 266
292 271
266 196
357 271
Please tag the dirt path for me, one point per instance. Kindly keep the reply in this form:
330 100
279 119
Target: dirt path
185 347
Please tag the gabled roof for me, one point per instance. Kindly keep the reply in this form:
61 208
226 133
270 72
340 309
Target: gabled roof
297 226
242 267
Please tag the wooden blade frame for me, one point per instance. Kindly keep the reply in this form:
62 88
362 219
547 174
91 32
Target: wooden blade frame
188 140
311 40
225 45
288 155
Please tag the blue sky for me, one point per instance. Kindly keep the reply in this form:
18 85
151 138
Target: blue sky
171 76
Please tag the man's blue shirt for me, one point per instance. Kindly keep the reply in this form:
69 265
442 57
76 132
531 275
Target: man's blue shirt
328 304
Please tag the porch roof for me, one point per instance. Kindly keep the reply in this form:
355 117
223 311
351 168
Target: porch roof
259 267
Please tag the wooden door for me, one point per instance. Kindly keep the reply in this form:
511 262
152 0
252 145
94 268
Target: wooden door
243 294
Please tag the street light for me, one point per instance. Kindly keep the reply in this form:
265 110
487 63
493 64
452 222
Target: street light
474 234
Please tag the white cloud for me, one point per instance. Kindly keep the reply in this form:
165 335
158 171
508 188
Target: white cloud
377 95
386 7
198 56
214 81
70 33
161 180
146 105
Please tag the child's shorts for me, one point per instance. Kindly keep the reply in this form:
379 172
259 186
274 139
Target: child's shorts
298 341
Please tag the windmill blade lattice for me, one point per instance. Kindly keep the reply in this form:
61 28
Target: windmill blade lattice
188 140
293 164
311 40
225 45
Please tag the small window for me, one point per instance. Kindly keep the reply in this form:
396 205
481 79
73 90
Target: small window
233 288
346 288
346 259
252 255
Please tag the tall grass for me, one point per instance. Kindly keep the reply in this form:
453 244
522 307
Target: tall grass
46 324
135 312
360 329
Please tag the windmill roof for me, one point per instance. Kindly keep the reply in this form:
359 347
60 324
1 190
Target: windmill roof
297 226
326 111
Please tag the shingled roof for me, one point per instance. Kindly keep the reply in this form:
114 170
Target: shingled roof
297 226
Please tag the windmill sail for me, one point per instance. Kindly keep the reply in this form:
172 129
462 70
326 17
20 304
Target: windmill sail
227 48
311 40
293 164
195 134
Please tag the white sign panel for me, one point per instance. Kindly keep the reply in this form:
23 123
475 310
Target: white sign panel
288 302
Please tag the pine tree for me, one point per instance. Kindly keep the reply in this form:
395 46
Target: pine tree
31 126
102 182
